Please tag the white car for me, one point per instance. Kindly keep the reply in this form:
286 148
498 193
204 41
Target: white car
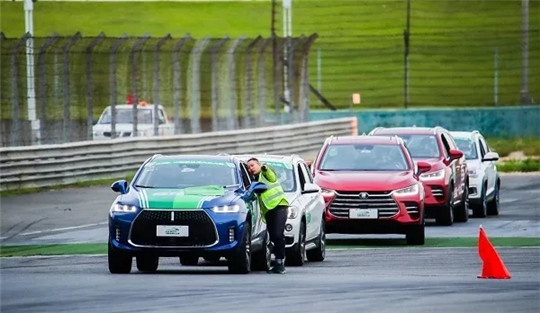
484 181
124 122
305 235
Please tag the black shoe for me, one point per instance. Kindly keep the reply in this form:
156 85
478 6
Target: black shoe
278 269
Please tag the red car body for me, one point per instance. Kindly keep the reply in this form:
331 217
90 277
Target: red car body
446 184
366 192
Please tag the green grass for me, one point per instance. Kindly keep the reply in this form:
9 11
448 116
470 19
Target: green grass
453 42
504 146
101 248
528 165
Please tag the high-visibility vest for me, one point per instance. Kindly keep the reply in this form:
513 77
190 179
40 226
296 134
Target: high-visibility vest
273 196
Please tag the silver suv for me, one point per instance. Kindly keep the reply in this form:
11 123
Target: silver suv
484 181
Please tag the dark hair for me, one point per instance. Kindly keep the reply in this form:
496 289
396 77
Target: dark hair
253 159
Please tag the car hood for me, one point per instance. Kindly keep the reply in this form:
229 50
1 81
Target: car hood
187 198
364 180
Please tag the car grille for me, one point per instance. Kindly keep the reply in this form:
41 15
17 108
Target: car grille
437 191
412 209
202 230
382 201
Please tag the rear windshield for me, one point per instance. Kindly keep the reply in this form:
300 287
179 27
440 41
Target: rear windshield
422 146
144 116
187 173
364 157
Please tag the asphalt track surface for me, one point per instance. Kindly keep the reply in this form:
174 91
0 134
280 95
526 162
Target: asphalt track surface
398 279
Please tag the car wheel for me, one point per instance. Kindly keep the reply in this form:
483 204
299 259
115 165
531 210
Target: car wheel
416 235
480 210
297 255
461 212
147 263
240 261
119 262
493 205
189 260
261 259
446 215
318 254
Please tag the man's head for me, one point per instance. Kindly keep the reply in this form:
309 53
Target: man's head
254 166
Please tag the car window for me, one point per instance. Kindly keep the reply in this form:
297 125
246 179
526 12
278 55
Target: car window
483 148
246 177
187 173
468 147
422 146
285 174
363 157
123 115
448 144
301 176
307 173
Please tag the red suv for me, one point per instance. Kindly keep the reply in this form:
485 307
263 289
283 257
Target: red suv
446 184
371 185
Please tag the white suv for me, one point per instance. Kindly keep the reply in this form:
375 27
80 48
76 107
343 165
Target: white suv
305 235
123 126
484 181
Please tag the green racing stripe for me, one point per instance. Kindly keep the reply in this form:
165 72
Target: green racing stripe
187 198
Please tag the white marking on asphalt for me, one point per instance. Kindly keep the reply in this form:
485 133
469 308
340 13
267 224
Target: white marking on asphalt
60 229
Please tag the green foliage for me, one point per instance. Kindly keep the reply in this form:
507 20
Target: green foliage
504 146
528 165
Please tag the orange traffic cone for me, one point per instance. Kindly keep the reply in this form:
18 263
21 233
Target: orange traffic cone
493 266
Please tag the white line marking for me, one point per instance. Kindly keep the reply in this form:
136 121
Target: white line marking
60 229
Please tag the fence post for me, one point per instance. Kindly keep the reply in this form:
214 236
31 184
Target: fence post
303 106
277 49
67 114
177 103
136 48
15 126
160 43
42 84
291 79
112 78
262 82
90 85
231 121
215 92
248 74
196 85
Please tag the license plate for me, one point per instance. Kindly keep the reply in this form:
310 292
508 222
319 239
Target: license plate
363 213
172 231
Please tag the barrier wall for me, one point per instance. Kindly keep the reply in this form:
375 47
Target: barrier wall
521 121
60 164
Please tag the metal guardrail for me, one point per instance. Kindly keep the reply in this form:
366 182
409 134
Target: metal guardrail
62 164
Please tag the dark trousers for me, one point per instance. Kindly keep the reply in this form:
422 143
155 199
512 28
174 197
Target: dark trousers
275 222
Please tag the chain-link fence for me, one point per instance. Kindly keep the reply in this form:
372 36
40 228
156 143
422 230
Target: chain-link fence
207 84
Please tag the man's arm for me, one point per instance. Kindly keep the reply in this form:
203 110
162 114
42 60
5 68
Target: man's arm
269 174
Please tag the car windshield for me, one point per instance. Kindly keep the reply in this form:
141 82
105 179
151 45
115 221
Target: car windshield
125 115
187 173
422 146
285 174
468 147
364 157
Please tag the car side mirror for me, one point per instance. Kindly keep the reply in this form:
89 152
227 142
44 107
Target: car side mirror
311 188
455 154
423 167
490 156
120 186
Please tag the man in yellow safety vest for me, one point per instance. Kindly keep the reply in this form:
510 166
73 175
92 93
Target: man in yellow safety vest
274 208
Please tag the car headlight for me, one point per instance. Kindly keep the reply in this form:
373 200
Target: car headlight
226 208
292 212
433 175
117 207
407 191
473 172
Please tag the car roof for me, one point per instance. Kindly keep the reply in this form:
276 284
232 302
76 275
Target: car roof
378 140
202 157
273 157
465 134
130 106
406 130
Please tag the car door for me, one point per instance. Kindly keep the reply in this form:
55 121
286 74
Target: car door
458 166
314 204
487 166
257 225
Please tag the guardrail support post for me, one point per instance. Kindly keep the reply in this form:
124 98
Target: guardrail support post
262 82
248 77
134 79
231 121
196 85
178 102
112 78
215 84
90 85
160 43
67 114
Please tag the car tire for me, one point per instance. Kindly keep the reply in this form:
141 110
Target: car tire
119 262
445 216
480 210
260 260
189 260
493 205
147 263
240 260
416 235
297 255
318 254
461 212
